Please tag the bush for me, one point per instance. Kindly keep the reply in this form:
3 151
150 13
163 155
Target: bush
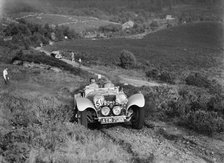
196 79
199 112
167 77
163 76
110 28
127 59
216 103
153 73
138 28
154 25
204 122
16 29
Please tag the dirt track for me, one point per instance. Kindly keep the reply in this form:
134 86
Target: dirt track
163 143
120 78
146 146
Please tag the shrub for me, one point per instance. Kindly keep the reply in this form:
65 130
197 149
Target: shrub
110 28
196 79
59 33
216 103
163 76
15 29
27 43
215 87
202 114
138 28
154 25
153 73
204 122
167 77
127 59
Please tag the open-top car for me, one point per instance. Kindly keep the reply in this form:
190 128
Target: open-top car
109 105
56 54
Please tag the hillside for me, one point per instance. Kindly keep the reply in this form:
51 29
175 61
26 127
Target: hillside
193 47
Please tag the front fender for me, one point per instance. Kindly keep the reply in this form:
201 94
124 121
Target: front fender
136 99
84 103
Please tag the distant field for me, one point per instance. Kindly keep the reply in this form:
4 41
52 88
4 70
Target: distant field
191 47
78 23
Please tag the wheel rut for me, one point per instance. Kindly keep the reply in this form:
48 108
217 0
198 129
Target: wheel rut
136 158
146 145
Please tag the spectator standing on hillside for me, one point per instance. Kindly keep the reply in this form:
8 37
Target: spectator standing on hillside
5 75
73 56
80 62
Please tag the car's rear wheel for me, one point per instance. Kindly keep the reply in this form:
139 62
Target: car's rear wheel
138 117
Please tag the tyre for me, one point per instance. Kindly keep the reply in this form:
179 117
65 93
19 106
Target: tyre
138 117
83 118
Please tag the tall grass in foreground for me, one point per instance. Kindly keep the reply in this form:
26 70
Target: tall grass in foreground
40 131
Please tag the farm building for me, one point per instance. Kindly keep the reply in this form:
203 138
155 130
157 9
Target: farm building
169 17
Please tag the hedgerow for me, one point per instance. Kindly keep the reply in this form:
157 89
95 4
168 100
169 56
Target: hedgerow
38 58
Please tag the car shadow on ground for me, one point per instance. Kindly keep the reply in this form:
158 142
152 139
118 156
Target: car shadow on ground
98 126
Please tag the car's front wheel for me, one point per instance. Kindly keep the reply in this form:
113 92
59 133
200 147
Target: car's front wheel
83 118
138 117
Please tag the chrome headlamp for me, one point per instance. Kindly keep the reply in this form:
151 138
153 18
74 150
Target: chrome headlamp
98 100
105 110
117 110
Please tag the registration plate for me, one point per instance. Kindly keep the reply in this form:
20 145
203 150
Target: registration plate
107 120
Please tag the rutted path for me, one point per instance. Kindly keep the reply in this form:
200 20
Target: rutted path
147 146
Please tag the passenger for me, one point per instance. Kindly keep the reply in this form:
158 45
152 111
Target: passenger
108 85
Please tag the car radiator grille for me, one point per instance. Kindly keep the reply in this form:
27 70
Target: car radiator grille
110 97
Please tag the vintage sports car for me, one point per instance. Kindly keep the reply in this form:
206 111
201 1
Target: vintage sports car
109 105
56 54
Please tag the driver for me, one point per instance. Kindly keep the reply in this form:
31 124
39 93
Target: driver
93 83
85 89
